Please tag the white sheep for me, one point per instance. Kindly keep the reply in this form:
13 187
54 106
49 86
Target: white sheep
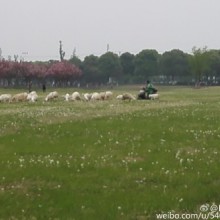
108 95
75 96
66 97
96 96
154 96
52 96
32 96
87 96
20 97
120 97
5 97
102 95
126 96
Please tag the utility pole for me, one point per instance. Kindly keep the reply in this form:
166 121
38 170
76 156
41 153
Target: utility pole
62 53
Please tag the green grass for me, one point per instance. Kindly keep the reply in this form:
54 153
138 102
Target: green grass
111 159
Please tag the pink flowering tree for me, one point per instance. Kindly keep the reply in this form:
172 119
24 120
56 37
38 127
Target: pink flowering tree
63 73
7 72
40 70
21 73
26 71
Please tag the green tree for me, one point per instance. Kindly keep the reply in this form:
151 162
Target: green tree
146 65
213 74
199 63
127 64
91 72
76 61
175 66
110 67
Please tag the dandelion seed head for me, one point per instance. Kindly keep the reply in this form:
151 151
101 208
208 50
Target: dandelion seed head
181 199
119 207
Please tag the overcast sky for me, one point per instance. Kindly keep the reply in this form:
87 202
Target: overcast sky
33 28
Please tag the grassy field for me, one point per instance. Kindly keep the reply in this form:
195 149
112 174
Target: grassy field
110 159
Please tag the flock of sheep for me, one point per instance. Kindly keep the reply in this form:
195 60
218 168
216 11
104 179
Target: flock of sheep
33 96
24 96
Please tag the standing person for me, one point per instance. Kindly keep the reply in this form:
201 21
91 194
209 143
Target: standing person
150 89
29 86
44 87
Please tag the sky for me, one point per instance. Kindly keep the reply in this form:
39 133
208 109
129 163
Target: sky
32 29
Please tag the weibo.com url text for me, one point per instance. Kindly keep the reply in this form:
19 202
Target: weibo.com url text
198 216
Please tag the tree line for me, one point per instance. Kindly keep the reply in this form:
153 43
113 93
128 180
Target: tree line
171 67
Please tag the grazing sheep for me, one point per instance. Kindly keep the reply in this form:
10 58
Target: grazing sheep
120 97
87 96
32 96
20 97
66 97
5 97
102 95
108 95
96 96
51 96
75 96
154 96
126 96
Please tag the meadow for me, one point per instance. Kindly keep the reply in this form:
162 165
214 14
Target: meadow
110 159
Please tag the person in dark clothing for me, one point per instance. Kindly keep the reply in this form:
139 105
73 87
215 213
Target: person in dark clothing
146 91
44 87
150 89
29 86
